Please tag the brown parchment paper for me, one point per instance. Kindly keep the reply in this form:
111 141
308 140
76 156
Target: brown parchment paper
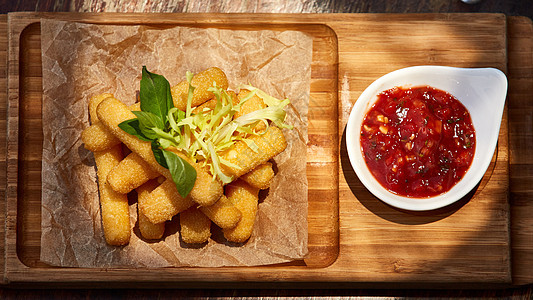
82 60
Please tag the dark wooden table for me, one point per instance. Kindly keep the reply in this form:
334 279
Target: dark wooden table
508 7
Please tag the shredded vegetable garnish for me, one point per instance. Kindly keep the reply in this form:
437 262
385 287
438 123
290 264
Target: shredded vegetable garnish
204 135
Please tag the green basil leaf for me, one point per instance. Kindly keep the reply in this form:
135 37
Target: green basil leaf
132 127
183 174
155 94
147 121
158 154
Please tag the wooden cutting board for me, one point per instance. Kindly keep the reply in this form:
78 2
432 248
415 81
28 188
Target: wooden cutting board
355 240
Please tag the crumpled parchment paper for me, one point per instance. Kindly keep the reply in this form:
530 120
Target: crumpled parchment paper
82 60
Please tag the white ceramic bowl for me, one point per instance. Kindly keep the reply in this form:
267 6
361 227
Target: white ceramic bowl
482 91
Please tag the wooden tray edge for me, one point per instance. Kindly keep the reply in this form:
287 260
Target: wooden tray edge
520 38
13 265
3 138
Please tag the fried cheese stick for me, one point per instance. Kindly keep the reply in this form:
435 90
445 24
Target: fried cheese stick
202 82
270 144
130 173
245 198
149 230
223 213
210 104
93 104
195 226
96 137
206 190
252 104
114 206
260 176
112 112
164 202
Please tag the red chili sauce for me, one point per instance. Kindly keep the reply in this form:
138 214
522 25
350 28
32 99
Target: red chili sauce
418 142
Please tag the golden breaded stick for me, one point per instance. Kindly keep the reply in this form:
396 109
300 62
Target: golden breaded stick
93 104
164 202
252 104
130 173
260 176
270 144
205 191
245 198
96 137
112 112
135 107
195 226
148 229
210 104
114 206
170 203
201 81
223 213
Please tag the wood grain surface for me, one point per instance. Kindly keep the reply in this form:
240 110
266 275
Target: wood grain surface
520 141
520 99
466 243
465 240
3 129
512 8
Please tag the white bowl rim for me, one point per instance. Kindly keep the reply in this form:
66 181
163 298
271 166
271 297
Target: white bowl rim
471 178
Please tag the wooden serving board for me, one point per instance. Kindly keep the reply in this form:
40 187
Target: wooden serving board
354 239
